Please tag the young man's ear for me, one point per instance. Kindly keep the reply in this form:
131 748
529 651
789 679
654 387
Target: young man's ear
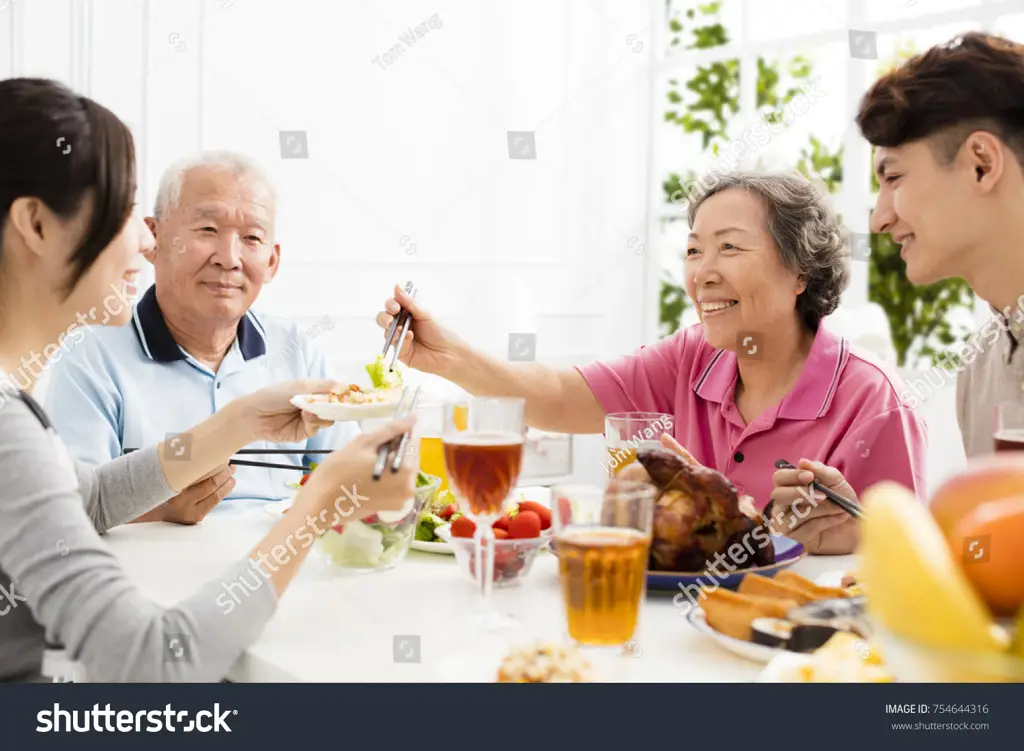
987 156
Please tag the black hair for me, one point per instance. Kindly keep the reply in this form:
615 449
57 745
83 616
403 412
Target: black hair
61 148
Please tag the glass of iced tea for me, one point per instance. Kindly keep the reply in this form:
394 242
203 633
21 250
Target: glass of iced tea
625 433
602 540
483 453
1009 434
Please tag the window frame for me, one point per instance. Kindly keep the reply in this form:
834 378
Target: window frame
855 199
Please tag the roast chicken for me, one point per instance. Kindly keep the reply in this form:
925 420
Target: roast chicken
698 514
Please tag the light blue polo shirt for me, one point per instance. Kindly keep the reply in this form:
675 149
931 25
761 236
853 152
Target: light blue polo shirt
130 386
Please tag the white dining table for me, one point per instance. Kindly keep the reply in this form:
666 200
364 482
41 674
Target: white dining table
399 625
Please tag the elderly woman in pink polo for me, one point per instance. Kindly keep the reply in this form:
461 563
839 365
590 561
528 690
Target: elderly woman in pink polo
760 378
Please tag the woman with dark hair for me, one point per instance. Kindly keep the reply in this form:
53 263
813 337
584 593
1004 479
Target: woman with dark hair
68 237
760 378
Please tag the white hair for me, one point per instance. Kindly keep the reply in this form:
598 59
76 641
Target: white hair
169 192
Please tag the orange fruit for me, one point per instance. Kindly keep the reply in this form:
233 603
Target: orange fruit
985 479
989 543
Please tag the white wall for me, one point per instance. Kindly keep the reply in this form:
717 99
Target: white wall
409 174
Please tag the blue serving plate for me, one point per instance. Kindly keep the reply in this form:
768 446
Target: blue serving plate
787 552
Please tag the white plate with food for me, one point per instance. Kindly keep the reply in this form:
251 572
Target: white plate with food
748 650
441 548
783 614
354 402
351 405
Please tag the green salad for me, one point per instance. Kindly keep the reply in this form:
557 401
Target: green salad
435 515
371 544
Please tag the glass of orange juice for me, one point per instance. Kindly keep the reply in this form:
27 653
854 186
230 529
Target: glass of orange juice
430 425
603 541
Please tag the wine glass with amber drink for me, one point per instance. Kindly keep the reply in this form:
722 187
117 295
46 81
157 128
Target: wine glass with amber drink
483 453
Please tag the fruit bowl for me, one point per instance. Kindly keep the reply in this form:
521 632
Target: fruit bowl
913 662
513 558
376 544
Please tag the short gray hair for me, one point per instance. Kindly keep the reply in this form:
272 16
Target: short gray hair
806 229
169 193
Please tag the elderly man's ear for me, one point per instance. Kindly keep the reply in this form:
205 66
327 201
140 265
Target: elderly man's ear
150 254
274 264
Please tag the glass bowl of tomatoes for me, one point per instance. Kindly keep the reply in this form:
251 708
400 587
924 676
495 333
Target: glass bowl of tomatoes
520 535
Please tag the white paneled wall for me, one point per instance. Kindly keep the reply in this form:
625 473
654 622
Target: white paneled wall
408 174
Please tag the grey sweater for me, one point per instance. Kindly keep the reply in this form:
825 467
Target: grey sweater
60 583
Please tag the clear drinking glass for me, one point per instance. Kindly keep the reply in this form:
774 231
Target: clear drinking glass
1009 433
625 433
483 453
603 540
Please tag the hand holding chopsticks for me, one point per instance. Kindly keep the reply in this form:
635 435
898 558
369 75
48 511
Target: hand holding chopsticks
785 483
400 324
406 407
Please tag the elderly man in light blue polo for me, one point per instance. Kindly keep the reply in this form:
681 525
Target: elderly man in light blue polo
194 343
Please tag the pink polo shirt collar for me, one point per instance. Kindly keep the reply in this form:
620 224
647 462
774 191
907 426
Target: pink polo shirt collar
810 398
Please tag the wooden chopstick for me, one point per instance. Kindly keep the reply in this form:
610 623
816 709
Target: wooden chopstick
851 507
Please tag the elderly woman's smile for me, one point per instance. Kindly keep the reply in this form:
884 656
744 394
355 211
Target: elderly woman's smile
714 307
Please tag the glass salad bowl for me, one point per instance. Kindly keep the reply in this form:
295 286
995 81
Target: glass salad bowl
381 541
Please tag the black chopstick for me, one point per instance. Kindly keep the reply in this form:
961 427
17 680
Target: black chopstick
268 465
265 465
269 452
285 452
851 507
